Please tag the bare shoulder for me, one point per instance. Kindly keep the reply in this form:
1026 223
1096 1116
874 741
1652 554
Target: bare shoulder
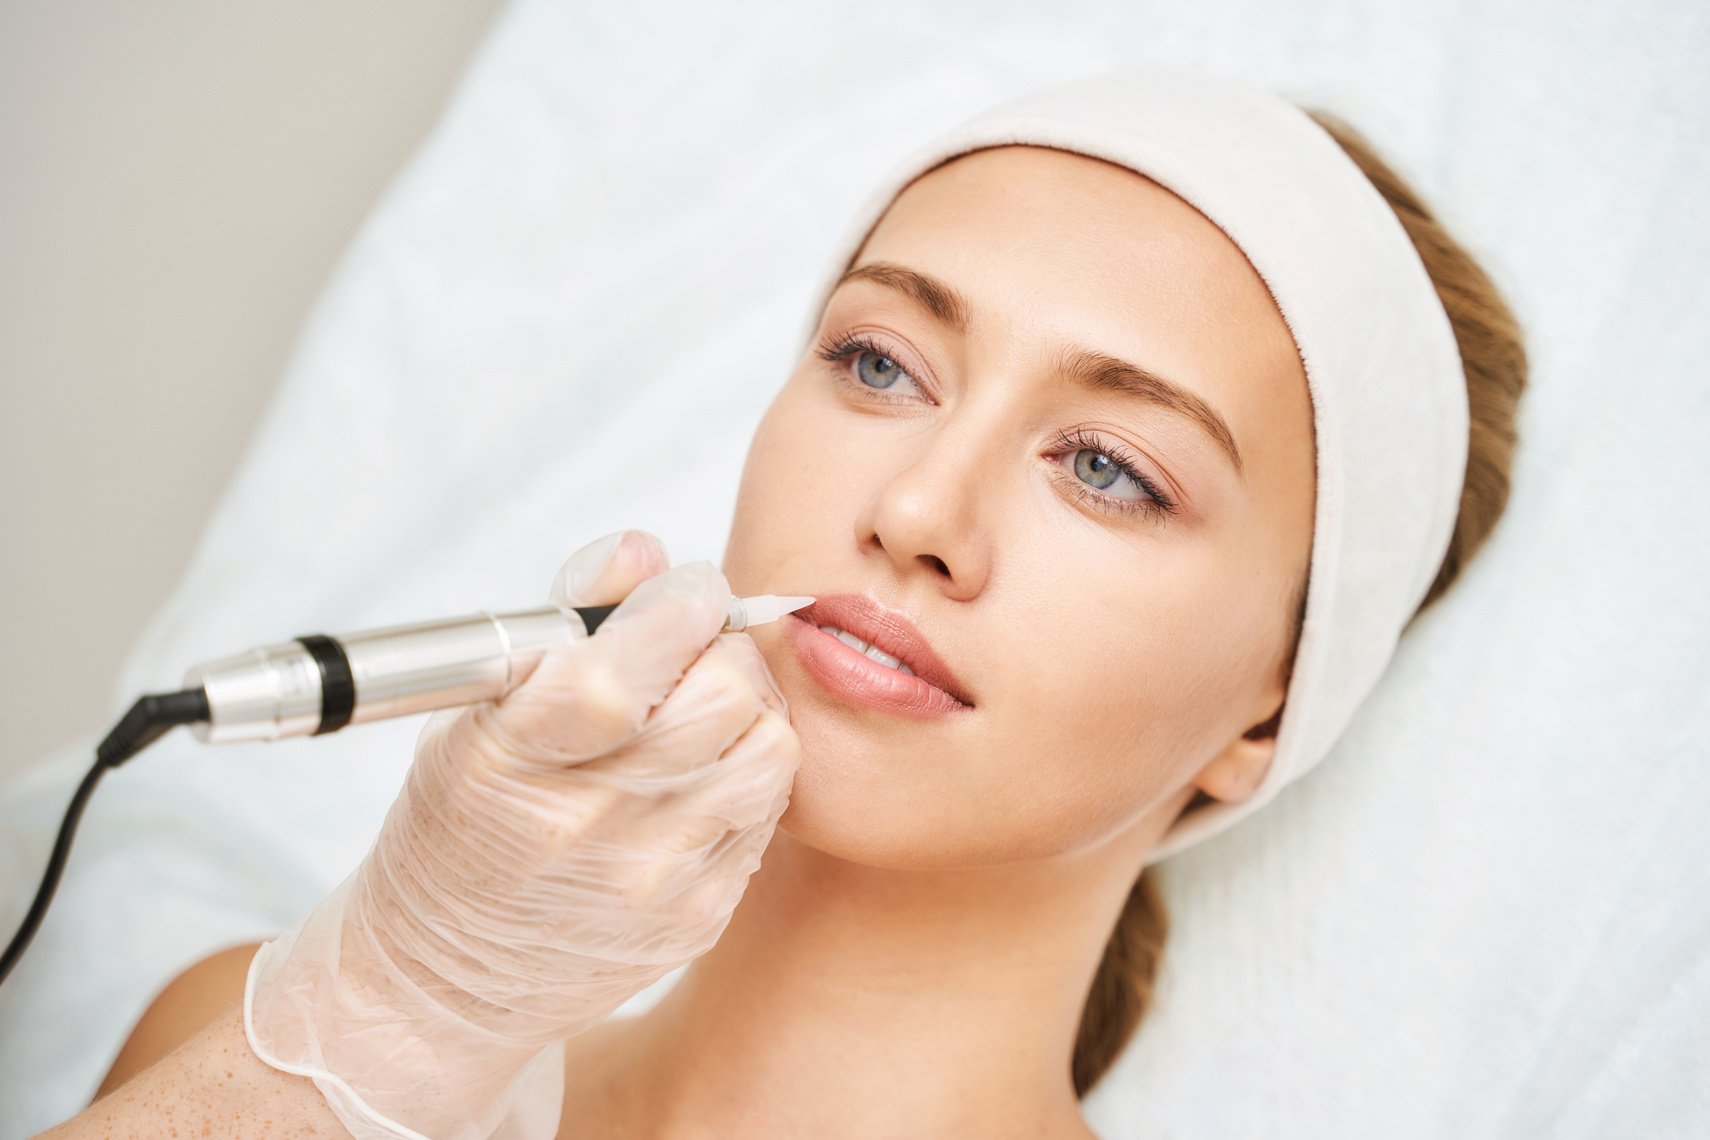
189 1003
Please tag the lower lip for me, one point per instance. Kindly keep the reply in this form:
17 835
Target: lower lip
860 680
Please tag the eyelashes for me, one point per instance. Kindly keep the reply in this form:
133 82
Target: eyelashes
839 349
1080 440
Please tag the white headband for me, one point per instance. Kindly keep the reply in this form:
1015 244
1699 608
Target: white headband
1388 393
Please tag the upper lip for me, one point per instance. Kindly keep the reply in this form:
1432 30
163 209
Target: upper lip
886 629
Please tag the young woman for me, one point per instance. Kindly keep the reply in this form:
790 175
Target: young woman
1137 420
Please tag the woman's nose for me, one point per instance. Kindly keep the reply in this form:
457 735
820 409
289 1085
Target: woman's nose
930 516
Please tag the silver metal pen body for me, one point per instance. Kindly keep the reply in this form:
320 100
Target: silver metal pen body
320 684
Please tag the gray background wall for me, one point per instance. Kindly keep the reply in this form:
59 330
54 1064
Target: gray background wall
176 181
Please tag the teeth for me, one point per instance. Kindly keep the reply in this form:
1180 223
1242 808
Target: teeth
867 650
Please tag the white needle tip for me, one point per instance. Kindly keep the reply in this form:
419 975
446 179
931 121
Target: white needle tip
762 608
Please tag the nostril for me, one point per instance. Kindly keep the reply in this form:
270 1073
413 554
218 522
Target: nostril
937 564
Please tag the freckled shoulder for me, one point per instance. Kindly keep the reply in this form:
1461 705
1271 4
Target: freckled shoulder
188 1004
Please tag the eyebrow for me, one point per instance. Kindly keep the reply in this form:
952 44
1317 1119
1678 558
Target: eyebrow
937 298
1101 373
1092 370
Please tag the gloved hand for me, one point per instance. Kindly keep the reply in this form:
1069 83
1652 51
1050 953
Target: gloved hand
550 855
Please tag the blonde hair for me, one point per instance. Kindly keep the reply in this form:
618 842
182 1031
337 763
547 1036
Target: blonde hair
1494 359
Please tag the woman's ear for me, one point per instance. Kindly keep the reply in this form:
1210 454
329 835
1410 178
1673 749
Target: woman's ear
1233 773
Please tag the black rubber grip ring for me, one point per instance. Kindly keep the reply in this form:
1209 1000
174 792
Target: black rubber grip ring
593 616
338 687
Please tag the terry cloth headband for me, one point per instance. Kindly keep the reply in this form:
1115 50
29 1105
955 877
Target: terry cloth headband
1389 399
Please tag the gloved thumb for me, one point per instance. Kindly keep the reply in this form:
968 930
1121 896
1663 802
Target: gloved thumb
586 696
604 572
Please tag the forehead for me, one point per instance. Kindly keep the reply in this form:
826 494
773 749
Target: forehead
1038 225
1050 247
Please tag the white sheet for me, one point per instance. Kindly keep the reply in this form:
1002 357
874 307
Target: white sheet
1485 916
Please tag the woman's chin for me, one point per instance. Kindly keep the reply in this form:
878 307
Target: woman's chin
829 815
888 822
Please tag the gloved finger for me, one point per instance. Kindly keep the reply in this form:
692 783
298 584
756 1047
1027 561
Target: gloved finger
714 884
715 702
590 695
735 662
635 794
603 572
713 900
664 836
749 788
536 805
752 778
752 662
693 885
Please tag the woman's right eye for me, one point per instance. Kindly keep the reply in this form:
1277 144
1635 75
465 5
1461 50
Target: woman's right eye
869 365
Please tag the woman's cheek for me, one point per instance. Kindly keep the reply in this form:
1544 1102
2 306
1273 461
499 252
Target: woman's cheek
780 476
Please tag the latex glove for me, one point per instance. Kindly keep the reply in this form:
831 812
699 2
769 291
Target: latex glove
550 855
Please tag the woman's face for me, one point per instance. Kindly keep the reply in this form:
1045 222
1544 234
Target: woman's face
960 460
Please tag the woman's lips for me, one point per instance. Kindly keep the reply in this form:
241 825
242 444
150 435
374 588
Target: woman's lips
858 679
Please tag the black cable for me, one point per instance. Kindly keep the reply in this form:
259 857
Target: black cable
148 720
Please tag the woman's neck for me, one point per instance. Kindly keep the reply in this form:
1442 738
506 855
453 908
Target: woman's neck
850 1000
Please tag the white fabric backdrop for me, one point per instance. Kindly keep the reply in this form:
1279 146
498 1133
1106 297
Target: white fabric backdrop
1485 916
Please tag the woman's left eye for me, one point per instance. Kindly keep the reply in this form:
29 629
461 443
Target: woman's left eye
1098 467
